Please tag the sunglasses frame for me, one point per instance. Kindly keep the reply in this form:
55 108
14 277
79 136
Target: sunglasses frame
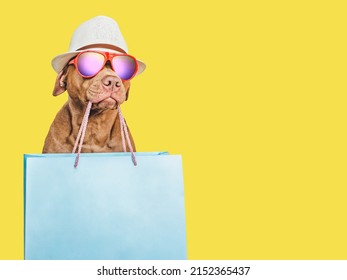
107 57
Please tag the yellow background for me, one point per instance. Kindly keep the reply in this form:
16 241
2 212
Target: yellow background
251 93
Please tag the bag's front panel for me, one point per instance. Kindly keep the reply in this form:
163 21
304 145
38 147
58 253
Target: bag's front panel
105 209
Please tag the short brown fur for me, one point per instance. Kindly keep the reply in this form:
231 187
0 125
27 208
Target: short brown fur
106 90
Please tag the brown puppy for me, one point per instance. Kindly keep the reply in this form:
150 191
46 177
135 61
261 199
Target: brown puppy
106 90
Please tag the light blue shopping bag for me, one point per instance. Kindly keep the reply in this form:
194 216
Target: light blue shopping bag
106 208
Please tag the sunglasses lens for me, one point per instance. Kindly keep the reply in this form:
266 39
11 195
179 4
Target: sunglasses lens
90 63
124 66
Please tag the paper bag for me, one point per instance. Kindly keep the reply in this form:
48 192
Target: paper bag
106 208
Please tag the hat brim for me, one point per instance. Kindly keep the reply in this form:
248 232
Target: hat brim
59 62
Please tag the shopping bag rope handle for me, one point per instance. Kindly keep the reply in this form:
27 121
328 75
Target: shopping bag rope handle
82 132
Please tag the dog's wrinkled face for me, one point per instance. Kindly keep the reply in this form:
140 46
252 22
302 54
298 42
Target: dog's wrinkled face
105 90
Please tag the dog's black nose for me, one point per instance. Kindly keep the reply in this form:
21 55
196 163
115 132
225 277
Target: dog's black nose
111 82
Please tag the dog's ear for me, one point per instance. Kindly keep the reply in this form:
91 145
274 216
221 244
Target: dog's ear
127 88
127 94
60 82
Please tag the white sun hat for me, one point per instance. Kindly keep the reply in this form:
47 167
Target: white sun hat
100 33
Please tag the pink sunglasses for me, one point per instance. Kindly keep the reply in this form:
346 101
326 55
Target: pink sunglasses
90 63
